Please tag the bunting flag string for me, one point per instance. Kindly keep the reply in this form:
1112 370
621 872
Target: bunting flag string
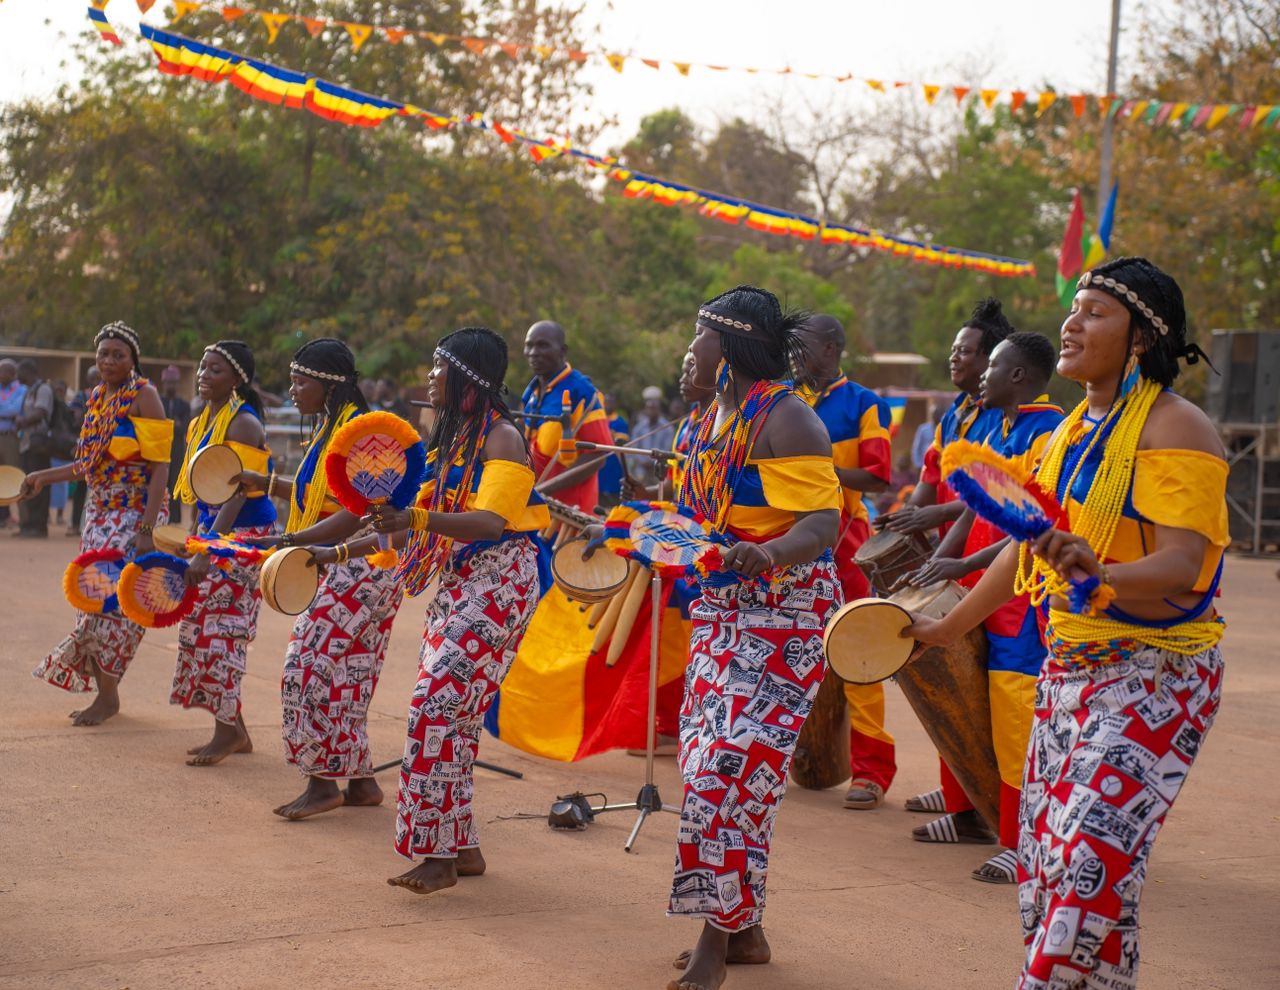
1203 115
181 56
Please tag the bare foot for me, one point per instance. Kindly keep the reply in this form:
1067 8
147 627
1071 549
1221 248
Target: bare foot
748 947
428 876
103 707
320 796
227 739
706 966
470 863
362 792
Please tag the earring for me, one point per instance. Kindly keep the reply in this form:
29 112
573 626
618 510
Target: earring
724 375
1132 375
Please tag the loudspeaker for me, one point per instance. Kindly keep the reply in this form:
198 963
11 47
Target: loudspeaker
1247 388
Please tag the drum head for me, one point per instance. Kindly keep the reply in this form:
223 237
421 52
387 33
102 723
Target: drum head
288 584
863 641
590 581
11 479
212 471
170 539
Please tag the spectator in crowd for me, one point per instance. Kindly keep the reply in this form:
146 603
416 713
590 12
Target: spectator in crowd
58 493
652 429
387 397
177 409
923 438
610 475
78 487
12 392
37 411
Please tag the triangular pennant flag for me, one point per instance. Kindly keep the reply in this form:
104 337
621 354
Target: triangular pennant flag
653 63
359 34
1077 104
435 39
1153 108
1201 115
395 35
1178 110
961 92
1264 111
682 67
145 5
1016 99
876 84
544 51
181 8
1124 109
233 13
1246 118
1220 113
1104 104
1273 116
1138 109
616 62
476 46
930 93
502 132
274 22
1165 110
1116 106
578 56
719 68
511 48
314 25
1044 102
989 97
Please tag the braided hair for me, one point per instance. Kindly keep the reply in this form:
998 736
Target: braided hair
477 364
240 357
330 362
776 351
1159 295
988 317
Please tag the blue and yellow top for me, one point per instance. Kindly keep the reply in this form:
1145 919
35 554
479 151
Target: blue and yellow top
858 422
502 487
258 510
966 419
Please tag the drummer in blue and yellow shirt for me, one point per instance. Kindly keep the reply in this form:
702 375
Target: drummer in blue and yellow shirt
858 422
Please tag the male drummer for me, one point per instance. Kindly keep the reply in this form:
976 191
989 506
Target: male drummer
932 504
1020 368
564 396
858 421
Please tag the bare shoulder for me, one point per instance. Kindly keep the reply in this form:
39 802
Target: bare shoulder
247 429
1176 423
793 429
504 443
147 404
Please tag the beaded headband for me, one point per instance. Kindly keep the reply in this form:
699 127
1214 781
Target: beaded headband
454 360
710 318
1123 292
230 360
120 331
324 376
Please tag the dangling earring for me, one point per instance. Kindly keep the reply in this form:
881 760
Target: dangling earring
1132 375
724 375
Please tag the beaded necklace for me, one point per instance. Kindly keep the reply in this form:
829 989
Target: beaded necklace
711 475
311 487
103 414
204 436
425 552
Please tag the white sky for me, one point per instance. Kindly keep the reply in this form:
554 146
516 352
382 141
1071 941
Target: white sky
1004 44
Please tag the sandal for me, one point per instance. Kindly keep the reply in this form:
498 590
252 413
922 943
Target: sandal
1000 868
946 830
931 802
864 795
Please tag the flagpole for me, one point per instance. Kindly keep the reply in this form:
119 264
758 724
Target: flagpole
1108 121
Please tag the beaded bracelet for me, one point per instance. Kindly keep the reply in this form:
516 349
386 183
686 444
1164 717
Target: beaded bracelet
286 540
419 519
145 529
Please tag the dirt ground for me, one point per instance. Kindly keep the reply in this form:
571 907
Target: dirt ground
121 867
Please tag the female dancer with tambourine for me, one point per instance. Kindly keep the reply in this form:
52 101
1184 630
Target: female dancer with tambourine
123 456
213 641
336 650
759 470
1133 676
476 534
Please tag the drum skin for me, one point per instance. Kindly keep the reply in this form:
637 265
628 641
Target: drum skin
288 584
599 577
171 539
822 750
947 689
888 557
211 472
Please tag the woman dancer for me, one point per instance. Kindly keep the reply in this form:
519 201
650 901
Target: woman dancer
760 470
123 457
476 533
213 641
1128 691
336 650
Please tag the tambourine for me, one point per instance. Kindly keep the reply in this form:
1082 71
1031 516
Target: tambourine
213 473
666 538
90 580
596 579
863 640
171 539
154 592
289 581
11 479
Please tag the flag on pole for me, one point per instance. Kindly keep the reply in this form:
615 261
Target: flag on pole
1071 254
1100 243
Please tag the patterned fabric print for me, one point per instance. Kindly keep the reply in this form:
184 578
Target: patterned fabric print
109 640
755 665
1110 750
475 624
213 640
331 668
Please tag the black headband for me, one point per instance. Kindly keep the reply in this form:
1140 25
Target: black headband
723 320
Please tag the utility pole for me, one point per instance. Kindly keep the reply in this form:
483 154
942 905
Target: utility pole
1108 122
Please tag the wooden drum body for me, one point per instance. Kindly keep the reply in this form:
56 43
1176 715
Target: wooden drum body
947 689
888 557
822 750
289 583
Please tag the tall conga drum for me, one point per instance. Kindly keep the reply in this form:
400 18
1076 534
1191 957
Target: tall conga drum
822 750
888 557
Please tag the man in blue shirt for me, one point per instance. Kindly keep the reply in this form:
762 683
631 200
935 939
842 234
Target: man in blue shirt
12 392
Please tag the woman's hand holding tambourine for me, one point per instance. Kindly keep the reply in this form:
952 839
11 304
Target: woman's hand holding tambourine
265 542
252 482
32 485
748 559
142 543
1068 554
929 632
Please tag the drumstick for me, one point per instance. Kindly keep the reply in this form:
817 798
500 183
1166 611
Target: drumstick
627 617
597 612
562 536
423 404
654 452
605 629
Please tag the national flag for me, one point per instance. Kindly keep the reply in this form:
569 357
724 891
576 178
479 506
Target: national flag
1071 254
1100 243
897 412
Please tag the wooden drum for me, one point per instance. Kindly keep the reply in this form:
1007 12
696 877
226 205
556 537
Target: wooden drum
888 557
822 750
289 581
171 539
587 581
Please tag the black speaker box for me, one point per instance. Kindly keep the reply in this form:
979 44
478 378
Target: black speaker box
1247 388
